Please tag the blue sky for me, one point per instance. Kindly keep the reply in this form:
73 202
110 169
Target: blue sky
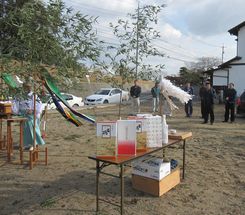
190 29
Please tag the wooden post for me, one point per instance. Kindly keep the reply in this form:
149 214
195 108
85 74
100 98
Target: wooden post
161 113
44 122
21 141
34 115
30 160
161 104
1 135
119 113
9 140
37 151
4 141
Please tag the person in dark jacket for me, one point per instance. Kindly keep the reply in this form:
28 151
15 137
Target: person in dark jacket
208 99
201 94
188 105
230 97
135 92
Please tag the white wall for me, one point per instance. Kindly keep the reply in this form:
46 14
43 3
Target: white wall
220 81
241 44
237 76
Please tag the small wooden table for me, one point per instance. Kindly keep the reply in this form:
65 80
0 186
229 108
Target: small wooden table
123 161
9 141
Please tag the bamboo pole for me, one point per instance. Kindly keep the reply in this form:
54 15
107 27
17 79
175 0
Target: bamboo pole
34 115
119 113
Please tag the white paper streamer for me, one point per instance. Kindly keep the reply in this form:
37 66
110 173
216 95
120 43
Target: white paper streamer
18 79
168 89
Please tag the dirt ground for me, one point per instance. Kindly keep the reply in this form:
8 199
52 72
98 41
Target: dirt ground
214 183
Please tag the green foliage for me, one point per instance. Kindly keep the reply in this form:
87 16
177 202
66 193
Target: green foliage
194 71
137 32
189 76
47 34
47 203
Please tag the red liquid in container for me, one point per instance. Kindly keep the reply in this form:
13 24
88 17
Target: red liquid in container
126 148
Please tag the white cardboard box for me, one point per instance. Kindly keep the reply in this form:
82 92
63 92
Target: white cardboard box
151 167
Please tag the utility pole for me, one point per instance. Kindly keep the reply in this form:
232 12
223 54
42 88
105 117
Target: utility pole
137 42
223 52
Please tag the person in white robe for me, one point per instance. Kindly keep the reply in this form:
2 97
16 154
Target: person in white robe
25 107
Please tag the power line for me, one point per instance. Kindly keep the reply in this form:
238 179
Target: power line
156 45
178 59
102 10
174 51
115 42
205 43
96 8
101 27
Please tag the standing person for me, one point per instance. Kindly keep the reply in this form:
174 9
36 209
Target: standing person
230 97
201 94
209 104
135 92
155 92
25 107
188 105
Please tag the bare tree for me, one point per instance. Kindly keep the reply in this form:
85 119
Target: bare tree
204 64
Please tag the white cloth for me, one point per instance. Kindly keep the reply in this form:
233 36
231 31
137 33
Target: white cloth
21 106
170 90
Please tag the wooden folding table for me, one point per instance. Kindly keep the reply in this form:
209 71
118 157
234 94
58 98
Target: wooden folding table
122 161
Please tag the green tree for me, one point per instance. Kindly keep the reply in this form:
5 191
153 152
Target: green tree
194 71
47 34
135 36
189 76
8 32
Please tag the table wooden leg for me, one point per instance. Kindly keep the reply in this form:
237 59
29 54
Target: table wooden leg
1 135
37 154
11 144
9 141
4 142
97 185
183 172
30 160
21 141
122 188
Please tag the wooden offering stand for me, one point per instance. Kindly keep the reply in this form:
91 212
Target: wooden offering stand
5 113
6 143
34 156
5 110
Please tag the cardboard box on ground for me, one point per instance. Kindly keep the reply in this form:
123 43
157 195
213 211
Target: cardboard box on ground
155 187
151 167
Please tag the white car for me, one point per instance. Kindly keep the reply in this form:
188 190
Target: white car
72 100
107 95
